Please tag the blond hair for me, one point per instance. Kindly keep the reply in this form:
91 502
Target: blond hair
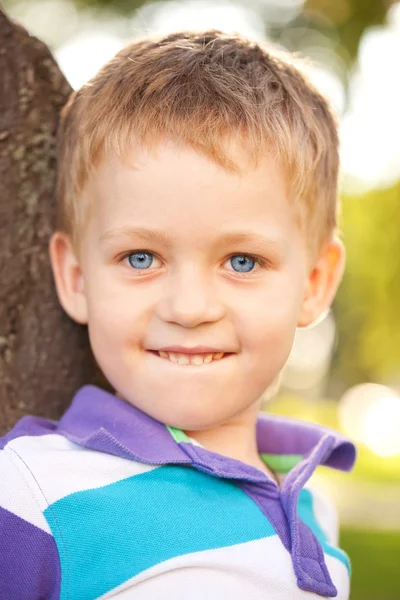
199 89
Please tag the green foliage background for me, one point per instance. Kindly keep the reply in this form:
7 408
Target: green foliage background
367 305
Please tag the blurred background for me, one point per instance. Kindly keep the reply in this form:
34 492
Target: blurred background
344 372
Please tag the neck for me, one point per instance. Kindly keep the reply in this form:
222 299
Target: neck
235 438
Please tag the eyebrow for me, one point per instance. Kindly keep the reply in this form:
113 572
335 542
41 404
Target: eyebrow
157 235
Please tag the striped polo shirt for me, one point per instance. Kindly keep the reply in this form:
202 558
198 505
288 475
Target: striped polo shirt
110 503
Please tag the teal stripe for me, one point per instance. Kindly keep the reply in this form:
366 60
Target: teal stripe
107 535
306 514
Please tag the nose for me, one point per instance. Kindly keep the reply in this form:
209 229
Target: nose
190 299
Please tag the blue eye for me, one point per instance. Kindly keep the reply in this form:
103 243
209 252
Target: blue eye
242 262
140 260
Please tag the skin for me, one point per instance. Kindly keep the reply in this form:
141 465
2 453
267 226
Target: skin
197 288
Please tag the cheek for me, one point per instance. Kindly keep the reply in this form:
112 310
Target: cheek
115 315
270 319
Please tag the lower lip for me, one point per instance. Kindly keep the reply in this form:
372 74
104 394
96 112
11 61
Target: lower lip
189 366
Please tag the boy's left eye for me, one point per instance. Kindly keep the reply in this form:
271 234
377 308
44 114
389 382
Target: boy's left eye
242 263
140 260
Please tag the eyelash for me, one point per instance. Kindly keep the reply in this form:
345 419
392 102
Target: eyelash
262 263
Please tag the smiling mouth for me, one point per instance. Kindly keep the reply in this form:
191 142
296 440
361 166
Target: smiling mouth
191 359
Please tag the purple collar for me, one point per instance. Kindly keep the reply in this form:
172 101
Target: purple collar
101 421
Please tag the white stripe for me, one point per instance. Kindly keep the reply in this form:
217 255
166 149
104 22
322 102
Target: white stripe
19 493
326 515
340 576
257 570
62 467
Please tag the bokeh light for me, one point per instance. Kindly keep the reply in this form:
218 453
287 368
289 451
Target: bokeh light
309 360
370 413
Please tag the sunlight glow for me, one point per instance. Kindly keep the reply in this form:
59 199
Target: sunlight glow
198 15
370 413
82 56
310 357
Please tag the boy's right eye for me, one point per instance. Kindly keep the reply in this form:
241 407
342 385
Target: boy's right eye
139 261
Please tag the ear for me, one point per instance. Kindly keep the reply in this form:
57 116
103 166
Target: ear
322 283
68 277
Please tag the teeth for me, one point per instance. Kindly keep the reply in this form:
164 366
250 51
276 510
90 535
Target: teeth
173 357
183 360
190 359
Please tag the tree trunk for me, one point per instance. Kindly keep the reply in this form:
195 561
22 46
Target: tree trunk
44 356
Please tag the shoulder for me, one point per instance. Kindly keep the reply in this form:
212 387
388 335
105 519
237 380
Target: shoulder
28 426
29 560
21 492
54 466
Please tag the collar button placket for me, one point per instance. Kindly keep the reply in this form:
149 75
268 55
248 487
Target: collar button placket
306 551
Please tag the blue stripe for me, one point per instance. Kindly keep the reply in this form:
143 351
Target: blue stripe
306 514
107 535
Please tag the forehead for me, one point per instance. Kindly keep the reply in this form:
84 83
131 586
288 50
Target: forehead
182 193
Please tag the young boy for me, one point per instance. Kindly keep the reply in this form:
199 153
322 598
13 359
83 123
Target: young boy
197 194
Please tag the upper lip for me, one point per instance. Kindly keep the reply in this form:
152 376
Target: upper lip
192 350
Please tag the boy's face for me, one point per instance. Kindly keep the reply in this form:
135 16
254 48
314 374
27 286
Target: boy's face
139 293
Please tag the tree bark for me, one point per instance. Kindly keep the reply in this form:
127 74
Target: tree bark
44 356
